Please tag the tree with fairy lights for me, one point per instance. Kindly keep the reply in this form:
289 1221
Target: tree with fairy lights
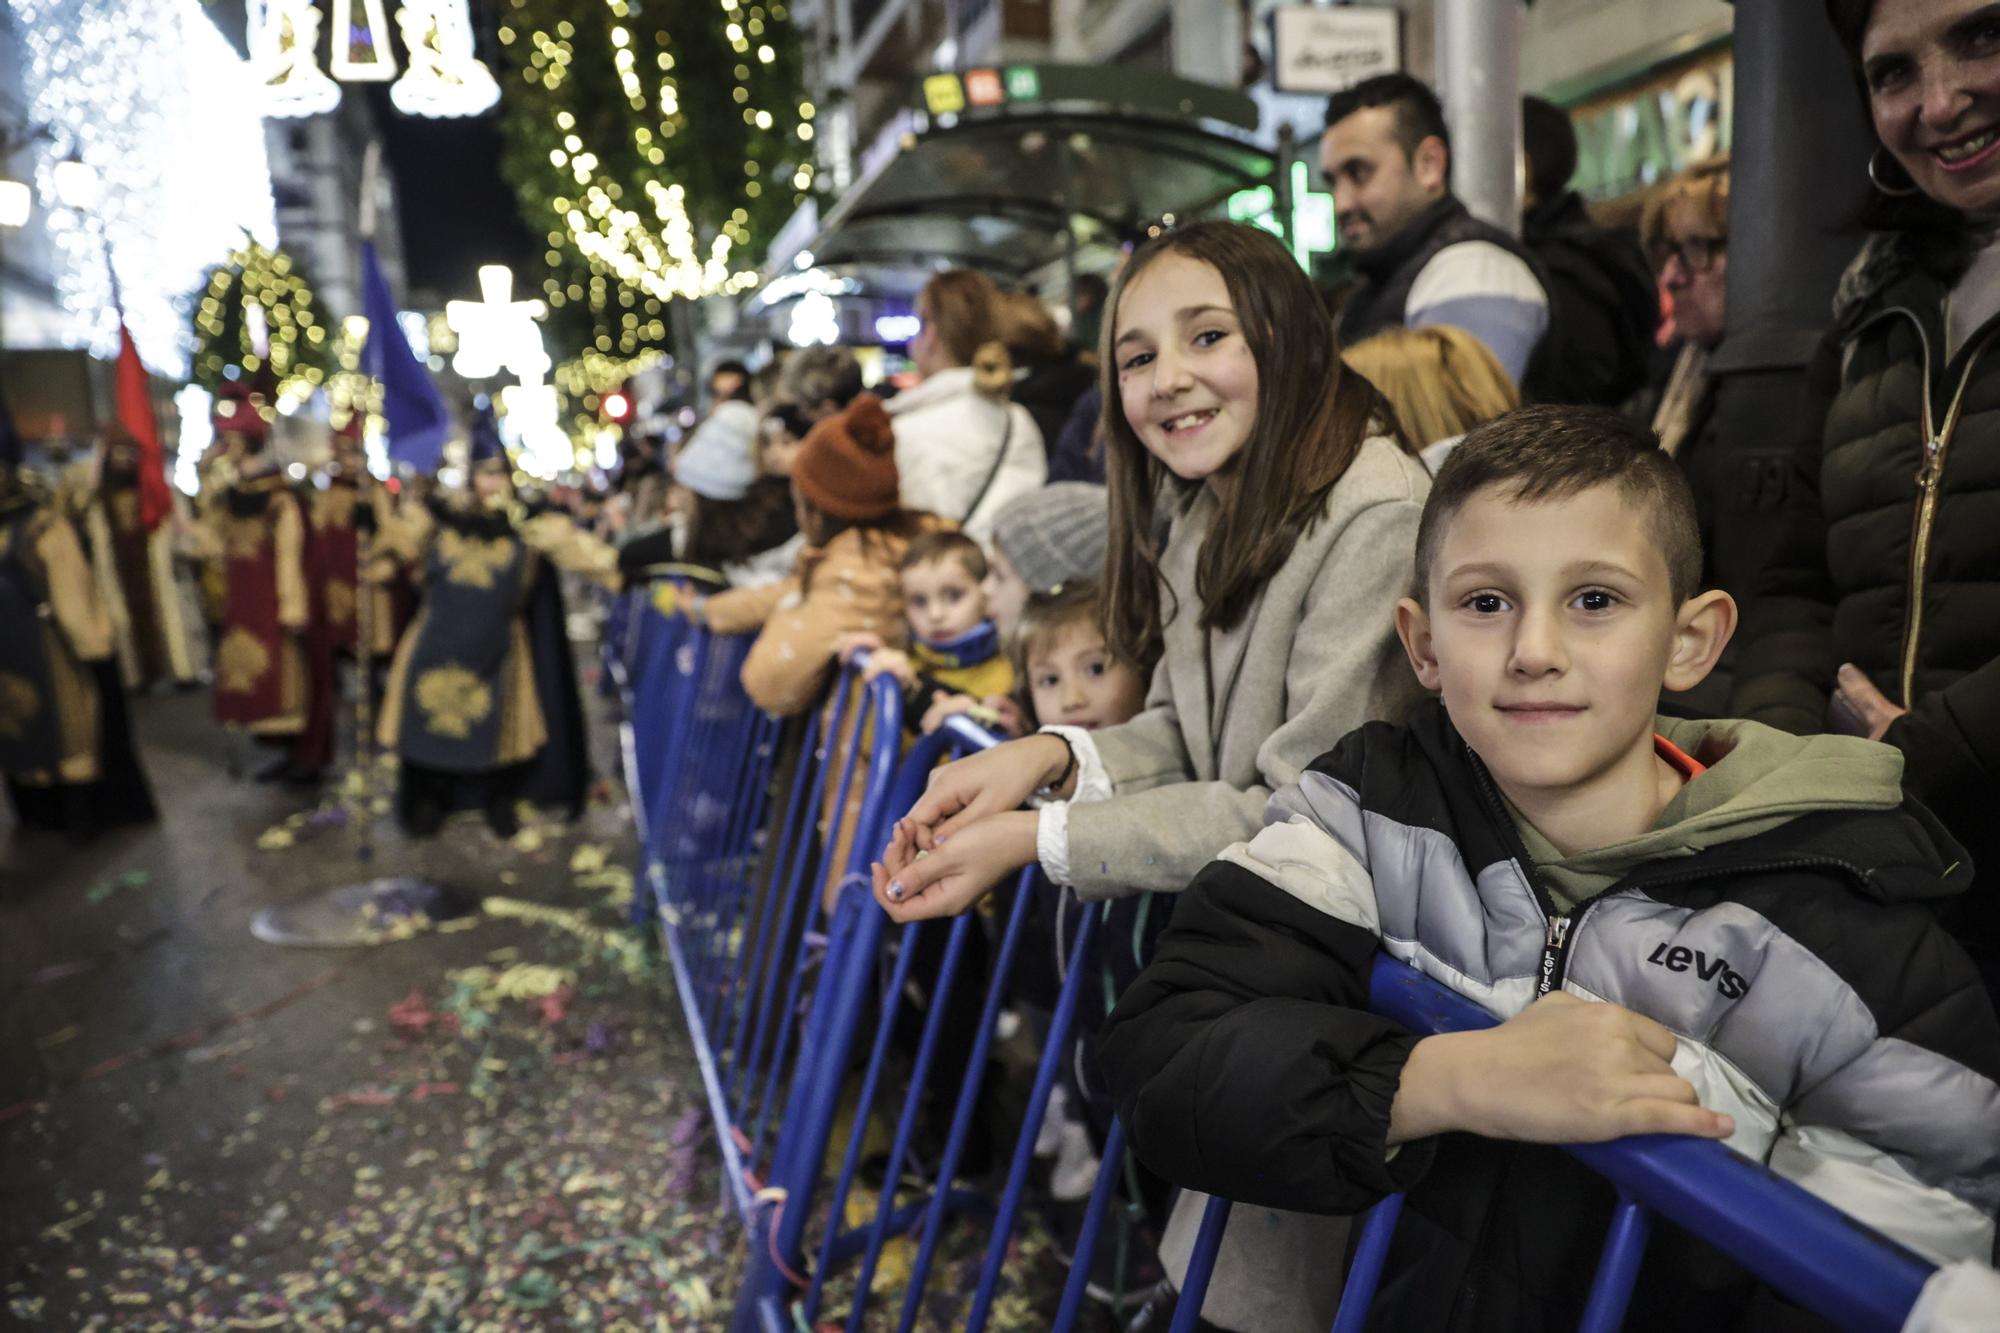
659 146
258 286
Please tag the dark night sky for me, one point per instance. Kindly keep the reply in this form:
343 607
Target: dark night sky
458 213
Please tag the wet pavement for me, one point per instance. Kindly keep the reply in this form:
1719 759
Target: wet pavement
493 1125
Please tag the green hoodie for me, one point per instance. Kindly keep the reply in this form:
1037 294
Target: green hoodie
1757 778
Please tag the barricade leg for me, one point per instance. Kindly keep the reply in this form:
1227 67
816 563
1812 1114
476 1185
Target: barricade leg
1201 1265
865 1108
1617 1268
968 1099
1078 1287
1378 1227
906 1124
1054 1052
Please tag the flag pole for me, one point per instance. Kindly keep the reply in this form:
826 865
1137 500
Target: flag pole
364 593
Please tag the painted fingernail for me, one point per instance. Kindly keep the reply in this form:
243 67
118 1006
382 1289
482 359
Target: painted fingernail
895 890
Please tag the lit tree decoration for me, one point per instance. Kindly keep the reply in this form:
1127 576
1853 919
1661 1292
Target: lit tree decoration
258 286
444 78
151 97
660 158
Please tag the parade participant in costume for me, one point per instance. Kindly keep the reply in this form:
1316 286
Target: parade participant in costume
65 746
135 573
234 421
346 512
482 707
273 659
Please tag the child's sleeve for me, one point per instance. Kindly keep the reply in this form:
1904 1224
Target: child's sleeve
1904 1134
1243 1059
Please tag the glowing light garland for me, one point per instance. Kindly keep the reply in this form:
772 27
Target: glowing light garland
184 170
658 247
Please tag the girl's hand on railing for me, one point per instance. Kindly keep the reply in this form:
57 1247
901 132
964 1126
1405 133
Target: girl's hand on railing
992 782
957 873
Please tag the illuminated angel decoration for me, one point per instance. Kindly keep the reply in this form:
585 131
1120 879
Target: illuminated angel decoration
283 36
445 78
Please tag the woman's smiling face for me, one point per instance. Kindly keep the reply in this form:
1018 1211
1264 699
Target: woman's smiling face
1933 73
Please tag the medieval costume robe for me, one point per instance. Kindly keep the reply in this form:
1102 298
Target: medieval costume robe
273 667
136 578
65 744
482 707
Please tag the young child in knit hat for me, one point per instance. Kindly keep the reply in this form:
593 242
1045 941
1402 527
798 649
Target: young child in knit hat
955 660
1041 541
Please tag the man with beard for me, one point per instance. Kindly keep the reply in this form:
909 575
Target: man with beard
1422 257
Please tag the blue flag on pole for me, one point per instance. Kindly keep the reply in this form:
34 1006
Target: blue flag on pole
418 421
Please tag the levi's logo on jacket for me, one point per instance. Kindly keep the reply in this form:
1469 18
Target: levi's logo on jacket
1680 958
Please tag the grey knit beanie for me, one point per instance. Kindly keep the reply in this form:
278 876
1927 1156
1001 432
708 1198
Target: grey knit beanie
1054 535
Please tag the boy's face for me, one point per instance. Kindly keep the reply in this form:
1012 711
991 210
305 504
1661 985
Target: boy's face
1551 628
941 600
1074 680
1005 591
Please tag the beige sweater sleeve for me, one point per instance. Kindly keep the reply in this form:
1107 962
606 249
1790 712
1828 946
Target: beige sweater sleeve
79 612
792 658
1343 667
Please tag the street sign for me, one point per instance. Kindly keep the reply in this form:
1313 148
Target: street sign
1321 50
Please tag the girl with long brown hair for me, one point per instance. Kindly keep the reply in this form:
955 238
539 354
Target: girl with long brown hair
1291 510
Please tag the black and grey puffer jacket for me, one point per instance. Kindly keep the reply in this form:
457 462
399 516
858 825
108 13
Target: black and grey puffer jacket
1889 555
1813 997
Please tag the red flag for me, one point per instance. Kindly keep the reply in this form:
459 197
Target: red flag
135 414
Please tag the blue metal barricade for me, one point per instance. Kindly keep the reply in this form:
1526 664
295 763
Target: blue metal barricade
1799 1245
793 983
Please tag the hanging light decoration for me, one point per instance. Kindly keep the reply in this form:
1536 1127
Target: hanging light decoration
444 77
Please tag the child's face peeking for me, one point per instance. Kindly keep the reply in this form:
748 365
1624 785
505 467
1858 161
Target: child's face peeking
1074 680
1187 380
941 600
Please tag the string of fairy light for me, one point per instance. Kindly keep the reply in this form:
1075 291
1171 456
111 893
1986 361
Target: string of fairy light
649 246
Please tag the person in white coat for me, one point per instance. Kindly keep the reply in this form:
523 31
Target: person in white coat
962 449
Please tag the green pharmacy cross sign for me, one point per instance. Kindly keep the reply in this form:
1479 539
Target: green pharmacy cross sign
1312 215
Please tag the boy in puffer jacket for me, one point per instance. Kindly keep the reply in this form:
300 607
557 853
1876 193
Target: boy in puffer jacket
1707 928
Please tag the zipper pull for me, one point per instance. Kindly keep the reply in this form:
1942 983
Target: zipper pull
1927 471
1554 944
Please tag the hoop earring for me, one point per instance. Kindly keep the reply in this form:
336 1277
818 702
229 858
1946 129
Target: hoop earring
1876 178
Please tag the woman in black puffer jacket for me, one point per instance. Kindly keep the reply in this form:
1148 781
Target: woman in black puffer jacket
1879 613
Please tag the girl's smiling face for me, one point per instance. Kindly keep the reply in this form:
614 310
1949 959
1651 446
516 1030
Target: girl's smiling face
1187 380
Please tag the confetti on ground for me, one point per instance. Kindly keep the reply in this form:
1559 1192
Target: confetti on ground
103 889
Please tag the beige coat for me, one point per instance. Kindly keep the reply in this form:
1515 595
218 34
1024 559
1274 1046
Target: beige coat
1233 714
1230 716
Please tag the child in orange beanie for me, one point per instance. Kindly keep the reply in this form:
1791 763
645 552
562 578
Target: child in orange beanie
844 486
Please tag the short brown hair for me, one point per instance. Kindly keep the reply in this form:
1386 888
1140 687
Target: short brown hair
936 547
1551 453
